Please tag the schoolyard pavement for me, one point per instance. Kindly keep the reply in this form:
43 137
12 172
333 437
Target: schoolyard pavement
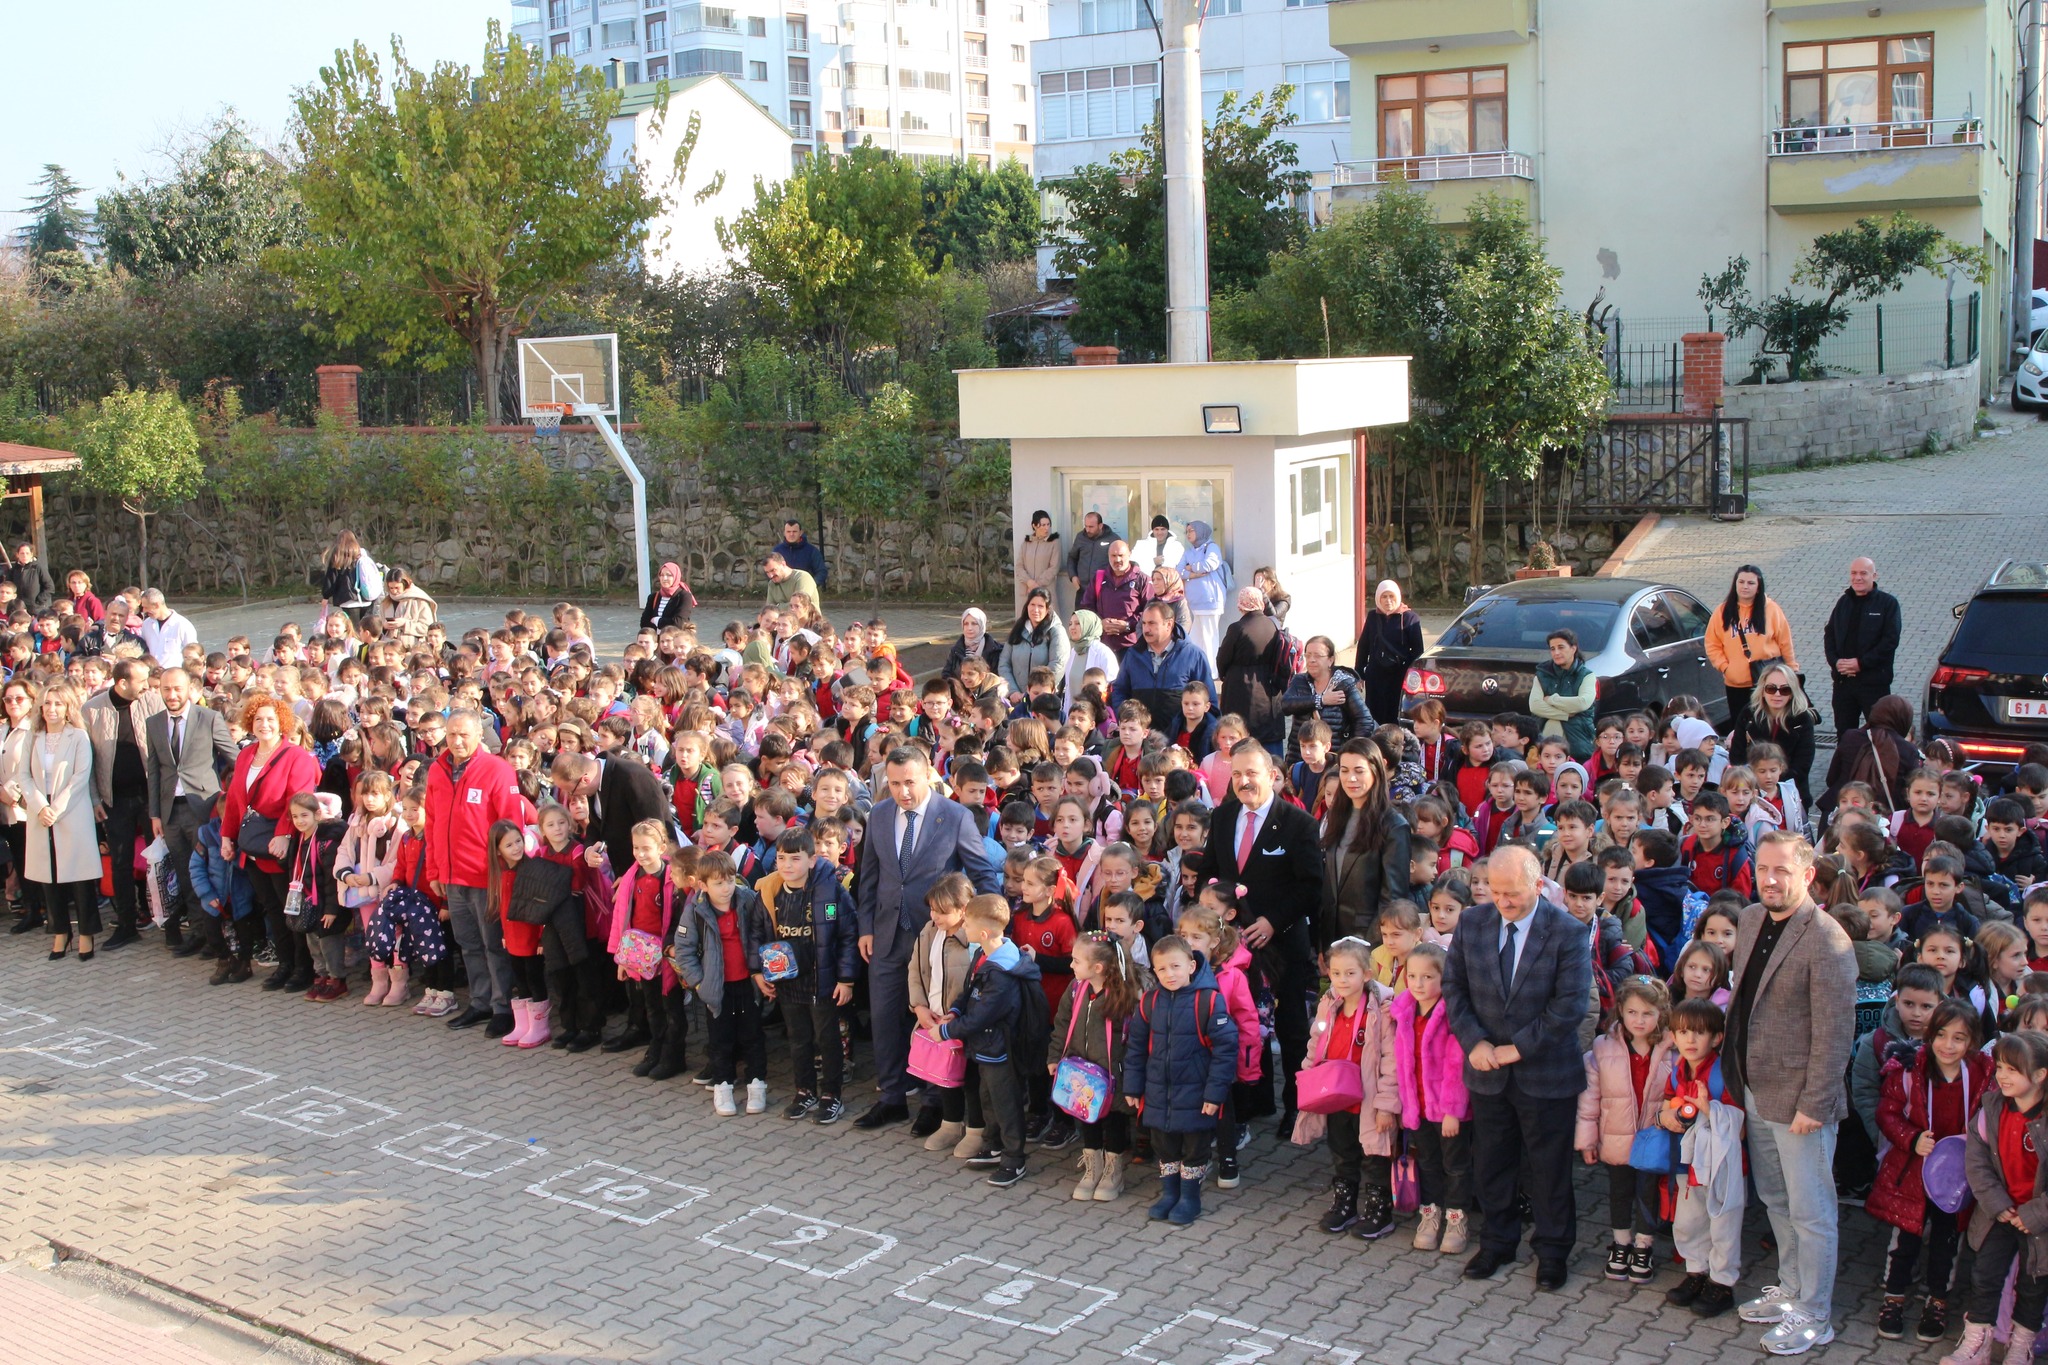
376 1184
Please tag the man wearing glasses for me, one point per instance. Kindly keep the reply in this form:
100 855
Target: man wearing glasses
1862 636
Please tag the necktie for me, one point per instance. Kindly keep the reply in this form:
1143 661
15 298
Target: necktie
1245 840
177 738
1507 957
909 838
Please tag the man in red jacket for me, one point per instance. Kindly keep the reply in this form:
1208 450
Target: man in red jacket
468 791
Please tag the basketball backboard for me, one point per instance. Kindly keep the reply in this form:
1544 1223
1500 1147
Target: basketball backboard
582 371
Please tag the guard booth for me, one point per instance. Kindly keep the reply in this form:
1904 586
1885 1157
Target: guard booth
1263 451
25 467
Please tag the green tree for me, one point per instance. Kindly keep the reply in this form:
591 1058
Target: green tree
225 201
57 239
1114 243
140 446
976 216
457 205
870 467
833 251
1865 261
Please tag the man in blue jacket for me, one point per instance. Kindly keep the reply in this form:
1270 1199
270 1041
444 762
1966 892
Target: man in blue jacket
1516 986
799 553
1157 674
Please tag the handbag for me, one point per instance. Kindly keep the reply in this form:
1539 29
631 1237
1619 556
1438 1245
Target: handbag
779 961
301 912
253 838
1080 1087
942 1061
1407 1185
1329 1087
1654 1151
639 954
539 887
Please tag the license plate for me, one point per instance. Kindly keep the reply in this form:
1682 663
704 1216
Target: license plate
2026 708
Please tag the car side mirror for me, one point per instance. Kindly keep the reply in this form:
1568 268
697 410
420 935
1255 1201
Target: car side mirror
1958 610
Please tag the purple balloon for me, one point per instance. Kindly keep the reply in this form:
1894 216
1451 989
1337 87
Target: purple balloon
1941 1174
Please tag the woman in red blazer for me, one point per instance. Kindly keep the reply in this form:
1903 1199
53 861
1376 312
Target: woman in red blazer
255 825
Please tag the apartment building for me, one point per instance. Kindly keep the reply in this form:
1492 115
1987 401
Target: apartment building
927 79
737 143
1653 142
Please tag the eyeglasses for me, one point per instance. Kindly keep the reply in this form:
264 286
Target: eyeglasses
1777 690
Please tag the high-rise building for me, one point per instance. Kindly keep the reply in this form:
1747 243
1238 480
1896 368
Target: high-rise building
927 79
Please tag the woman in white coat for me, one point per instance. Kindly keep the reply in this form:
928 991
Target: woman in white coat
17 720
63 843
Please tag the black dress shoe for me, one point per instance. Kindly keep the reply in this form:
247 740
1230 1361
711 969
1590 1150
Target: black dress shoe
301 982
929 1117
277 980
500 1025
583 1042
881 1114
627 1041
26 923
191 947
1550 1272
1486 1265
121 938
470 1018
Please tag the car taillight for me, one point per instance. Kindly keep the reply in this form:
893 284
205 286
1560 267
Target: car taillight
1420 682
1949 673
1982 749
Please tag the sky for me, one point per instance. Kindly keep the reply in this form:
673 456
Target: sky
104 90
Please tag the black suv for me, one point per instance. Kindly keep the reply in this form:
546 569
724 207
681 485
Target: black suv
1989 692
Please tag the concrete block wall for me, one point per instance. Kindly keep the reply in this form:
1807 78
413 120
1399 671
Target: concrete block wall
1830 420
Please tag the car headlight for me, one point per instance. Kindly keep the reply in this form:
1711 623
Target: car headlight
2031 368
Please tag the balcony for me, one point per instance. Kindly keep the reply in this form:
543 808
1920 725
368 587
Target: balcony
797 42
1856 168
1360 27
1453 183
976 61
800 131
977 101
979 142
800 88
1800 11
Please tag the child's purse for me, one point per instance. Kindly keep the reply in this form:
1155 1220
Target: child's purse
1079 1086
778 961
1334 1085
1654 1151
301 911
942 1061
639 954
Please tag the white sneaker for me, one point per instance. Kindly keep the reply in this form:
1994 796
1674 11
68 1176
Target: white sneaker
1769 1306
721 1100
1796 1334
757 1097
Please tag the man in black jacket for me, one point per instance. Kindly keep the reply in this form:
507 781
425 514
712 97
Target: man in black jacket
622 793
1269 847
1862 636
32 582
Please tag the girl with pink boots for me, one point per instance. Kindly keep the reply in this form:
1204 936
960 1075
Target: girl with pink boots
2009 1226
522 892
363 866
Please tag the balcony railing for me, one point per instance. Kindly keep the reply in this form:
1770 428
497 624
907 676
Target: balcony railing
980 142
1421 169
800 87
798 43
801 131
976 61
1800 139
977 101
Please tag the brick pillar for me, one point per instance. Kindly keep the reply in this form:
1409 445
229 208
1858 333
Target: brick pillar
1705 356
1095 355
338 392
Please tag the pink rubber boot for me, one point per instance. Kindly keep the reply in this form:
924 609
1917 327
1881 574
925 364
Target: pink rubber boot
380 983
522 1019
538 1033
401 977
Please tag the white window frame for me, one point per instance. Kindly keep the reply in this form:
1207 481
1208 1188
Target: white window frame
1317 512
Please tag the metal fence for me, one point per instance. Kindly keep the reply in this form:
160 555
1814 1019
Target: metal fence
1880 338
432 398
1636 463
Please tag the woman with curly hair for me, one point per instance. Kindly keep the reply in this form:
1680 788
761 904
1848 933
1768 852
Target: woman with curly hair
256 827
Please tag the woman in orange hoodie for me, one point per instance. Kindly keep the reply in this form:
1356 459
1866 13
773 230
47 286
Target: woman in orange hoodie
1746 630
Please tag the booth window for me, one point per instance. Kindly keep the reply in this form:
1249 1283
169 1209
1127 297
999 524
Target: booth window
1318 522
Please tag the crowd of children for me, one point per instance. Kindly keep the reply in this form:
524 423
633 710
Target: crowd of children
1107 998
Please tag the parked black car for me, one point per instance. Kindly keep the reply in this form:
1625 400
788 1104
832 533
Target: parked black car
1645 642
1989 691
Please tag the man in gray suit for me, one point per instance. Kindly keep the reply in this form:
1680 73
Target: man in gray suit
116 719
913 839
185 750
1516 987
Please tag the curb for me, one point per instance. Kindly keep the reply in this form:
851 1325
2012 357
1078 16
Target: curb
1617 563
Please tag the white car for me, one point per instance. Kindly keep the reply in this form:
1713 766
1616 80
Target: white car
2030 381
2038 320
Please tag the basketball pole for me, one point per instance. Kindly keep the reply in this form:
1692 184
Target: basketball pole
633 475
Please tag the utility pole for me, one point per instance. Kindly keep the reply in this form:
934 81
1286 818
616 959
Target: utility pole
2027 189
1187 215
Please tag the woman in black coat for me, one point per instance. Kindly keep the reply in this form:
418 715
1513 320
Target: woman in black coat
1365 847
1387 649
1327 691
671 602
1879 753
1250 670
1780 714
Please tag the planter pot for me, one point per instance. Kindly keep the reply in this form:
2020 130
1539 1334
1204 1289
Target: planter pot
1561 571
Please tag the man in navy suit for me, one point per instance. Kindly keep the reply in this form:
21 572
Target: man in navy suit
1517 987
913 840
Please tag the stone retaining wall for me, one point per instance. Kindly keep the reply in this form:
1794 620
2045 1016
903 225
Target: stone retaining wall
1825 421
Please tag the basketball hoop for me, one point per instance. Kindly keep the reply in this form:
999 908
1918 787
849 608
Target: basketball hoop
547 418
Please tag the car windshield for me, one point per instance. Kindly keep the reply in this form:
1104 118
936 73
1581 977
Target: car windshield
1500 622
2005 626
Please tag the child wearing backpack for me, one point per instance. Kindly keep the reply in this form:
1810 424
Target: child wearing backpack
1179 1061
816 943
2009 1226
1625 1075
1091 1028
1353 1029
1206 929
1429 1072
1001 984
1707 1188
938 971
716 948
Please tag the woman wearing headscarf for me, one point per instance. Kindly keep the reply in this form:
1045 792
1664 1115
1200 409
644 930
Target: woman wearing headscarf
1208 583
1251 669
671 602
1877 753
1084 632
1038 558
973 644
1165 585
1387 649
1037 640
1780 714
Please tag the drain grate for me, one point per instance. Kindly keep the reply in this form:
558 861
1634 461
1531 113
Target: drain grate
35 1087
